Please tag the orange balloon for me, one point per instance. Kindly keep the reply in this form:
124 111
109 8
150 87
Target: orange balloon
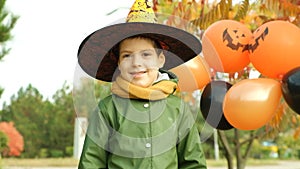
225 45
275 48
192 75
251 103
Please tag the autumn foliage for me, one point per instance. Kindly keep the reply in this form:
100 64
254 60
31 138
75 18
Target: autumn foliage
15 139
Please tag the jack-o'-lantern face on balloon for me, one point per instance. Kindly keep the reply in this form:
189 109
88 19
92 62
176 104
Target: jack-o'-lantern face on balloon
237 39
225 45
274 48
259 36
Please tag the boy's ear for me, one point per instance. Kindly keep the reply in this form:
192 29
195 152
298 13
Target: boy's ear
162 60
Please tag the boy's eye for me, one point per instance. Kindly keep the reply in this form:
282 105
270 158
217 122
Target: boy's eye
125 56
146 54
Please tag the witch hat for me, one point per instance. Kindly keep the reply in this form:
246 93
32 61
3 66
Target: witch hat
96 54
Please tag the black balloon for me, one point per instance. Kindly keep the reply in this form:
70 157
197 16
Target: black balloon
211 104
291 89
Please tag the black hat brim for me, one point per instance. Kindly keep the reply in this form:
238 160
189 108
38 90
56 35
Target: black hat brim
96 58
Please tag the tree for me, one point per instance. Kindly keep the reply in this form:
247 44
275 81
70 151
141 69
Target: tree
197 16
7 23
47 127
60 127
15 139
87 93
27 111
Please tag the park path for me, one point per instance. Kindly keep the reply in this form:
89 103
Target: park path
280 165
40 168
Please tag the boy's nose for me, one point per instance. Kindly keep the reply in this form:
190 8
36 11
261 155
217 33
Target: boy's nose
136 60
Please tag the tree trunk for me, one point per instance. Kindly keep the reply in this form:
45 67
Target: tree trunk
228 151
241 164
241 159
237 149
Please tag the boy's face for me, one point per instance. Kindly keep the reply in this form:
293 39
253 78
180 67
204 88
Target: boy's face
139 62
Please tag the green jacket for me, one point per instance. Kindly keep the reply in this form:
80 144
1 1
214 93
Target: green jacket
125 135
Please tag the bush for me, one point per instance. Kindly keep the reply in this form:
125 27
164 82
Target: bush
3 142
69 151
15 140
56 153
44 153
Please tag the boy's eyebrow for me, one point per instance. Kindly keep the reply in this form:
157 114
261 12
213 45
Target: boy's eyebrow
144 50
125 51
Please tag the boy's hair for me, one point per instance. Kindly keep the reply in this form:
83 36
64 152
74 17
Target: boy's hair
158 46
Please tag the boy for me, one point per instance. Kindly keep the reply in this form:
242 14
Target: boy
142 124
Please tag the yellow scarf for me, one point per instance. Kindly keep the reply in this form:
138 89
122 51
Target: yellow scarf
159 90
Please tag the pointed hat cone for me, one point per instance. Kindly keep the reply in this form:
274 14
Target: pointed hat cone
141 11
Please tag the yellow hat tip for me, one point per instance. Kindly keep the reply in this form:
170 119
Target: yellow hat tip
141 11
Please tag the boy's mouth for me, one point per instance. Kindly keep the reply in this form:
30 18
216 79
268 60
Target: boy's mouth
138 74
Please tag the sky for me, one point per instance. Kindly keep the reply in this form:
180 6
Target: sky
46 39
